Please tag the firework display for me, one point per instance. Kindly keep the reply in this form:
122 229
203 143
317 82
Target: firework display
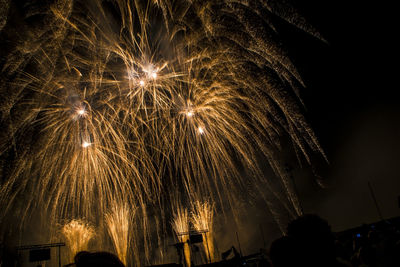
114 104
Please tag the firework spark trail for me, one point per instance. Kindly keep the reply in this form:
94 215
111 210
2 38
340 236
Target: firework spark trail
180 224
78 234
101 99
118 221
202 220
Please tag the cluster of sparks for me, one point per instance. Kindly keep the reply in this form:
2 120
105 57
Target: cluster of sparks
202 220
118 101
118 221
78 234
180 224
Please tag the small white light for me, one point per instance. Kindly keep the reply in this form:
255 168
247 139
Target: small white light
189 113
154 75
201 130
85 144
141 82
81 111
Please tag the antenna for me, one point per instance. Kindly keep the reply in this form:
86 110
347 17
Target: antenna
240 248
376 202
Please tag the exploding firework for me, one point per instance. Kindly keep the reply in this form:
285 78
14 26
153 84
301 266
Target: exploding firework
117 101
202 220
118 221
180 224
78 234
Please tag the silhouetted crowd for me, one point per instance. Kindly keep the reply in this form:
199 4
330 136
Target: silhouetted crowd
310 242
95 259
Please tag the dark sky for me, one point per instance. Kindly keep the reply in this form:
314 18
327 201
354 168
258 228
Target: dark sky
351 104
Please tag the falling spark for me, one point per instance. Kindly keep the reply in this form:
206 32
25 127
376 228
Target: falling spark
201 130
86 144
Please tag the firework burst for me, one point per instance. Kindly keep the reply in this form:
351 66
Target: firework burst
107 102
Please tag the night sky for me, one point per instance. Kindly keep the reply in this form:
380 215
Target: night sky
351 104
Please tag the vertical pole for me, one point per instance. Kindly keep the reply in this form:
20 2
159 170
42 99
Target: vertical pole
216 247
59 256
262 234
240 248
192 254
376 202
209 256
